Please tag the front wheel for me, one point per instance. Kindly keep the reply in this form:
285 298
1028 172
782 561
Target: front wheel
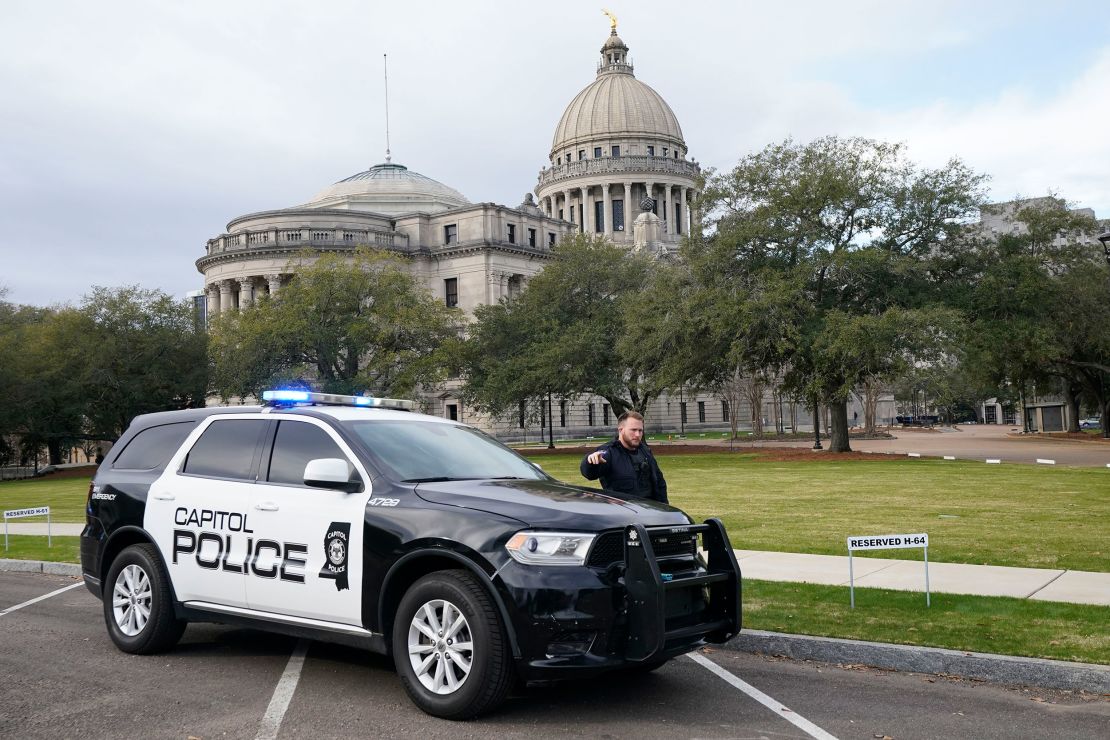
138 605
450 647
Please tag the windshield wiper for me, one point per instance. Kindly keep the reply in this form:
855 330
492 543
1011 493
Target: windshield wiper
435 479
507 477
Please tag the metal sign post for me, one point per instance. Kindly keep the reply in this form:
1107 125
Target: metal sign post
887 542
22 514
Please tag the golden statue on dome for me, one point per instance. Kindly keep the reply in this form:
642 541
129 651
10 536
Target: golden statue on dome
612 20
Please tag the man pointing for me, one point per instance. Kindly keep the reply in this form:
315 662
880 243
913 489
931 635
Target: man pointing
626 465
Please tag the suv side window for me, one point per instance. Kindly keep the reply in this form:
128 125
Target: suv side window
226 449
295 444
152 448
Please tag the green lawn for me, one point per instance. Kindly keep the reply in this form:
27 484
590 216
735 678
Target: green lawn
27 547
1018 515
1037 629
65 497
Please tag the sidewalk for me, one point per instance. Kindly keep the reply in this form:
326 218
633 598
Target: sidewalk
1041 584
1075 586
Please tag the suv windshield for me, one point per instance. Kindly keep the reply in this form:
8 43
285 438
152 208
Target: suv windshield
424 451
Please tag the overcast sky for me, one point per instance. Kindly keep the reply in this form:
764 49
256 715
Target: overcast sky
132 132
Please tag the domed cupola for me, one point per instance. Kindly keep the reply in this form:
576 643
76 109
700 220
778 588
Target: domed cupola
389 189
617 143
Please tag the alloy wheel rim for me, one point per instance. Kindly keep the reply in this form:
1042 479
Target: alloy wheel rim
131 600
441 647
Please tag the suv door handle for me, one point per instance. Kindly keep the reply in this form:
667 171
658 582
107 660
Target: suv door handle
266 506
164 496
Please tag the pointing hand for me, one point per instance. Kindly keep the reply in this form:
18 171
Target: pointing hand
596 458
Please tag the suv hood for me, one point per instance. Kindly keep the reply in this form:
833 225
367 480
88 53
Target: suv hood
550 504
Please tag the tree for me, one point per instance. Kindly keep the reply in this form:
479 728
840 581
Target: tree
562 335
143 351
344 325
815 264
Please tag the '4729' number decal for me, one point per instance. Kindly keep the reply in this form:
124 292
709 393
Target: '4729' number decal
383 502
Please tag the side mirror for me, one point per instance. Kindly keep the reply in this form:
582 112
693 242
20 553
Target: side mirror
332 473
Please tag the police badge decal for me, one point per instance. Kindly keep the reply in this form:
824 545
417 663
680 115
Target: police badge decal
335 554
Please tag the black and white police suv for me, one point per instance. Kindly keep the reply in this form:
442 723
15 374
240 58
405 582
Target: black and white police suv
354 520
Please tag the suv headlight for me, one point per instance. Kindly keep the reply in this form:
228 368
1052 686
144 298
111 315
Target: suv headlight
549 548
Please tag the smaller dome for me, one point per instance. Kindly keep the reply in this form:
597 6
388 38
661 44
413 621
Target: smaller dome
390 189
613 42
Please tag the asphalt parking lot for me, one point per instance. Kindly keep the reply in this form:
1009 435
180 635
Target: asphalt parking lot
62 677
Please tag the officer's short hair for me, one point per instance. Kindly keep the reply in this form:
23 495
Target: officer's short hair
628 415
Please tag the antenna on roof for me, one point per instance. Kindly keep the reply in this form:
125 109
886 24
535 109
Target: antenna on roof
385 64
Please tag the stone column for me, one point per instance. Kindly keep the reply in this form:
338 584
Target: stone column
213 292
274 283
246 290
631 210
226 300
587 212
668 227
682 210
566 205
607 210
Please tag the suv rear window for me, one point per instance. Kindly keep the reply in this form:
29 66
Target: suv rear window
226 449
153 447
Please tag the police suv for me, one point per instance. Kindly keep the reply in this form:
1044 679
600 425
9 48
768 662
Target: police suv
352 519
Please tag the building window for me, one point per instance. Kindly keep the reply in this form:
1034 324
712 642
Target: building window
558 160
664 151
676 154
616 151
531 237
701 411
682 411
582 216
651 150
605 413
561 215
618 215
551 238
451 292
581 153
562 413
724 410
678 218
512 233
453 411
597 152
451 234
590 414
599 216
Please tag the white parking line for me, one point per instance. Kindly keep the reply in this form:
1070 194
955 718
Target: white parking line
11 609
789 715
283 694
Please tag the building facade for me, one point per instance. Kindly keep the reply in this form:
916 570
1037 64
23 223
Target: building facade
618 166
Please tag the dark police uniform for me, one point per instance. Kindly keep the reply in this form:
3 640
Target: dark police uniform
632 472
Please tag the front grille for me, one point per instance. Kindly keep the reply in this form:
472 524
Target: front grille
609 547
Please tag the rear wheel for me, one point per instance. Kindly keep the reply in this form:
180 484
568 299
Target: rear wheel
450 647
138 605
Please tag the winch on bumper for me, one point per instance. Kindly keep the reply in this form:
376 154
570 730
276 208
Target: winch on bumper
645 594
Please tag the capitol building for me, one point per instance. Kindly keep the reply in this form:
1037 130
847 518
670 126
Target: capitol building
618 166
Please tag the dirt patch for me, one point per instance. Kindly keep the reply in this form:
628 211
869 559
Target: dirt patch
85 471
761 454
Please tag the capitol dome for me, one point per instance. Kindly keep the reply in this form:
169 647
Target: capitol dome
389 189
616 104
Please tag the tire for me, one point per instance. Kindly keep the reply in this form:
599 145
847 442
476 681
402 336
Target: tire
138 603
464 669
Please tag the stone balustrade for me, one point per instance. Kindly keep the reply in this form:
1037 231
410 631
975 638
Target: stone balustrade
624 164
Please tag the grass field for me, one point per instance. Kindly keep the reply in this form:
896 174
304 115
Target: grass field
1017 515
64 496
1036 629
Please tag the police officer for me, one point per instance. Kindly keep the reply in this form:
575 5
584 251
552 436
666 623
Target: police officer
625 464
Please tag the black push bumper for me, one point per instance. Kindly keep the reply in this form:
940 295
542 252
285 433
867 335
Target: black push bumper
658 622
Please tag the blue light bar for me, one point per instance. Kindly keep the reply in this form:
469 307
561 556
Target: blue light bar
286 395
283 397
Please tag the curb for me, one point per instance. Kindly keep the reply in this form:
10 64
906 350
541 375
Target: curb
40 566
1003 669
